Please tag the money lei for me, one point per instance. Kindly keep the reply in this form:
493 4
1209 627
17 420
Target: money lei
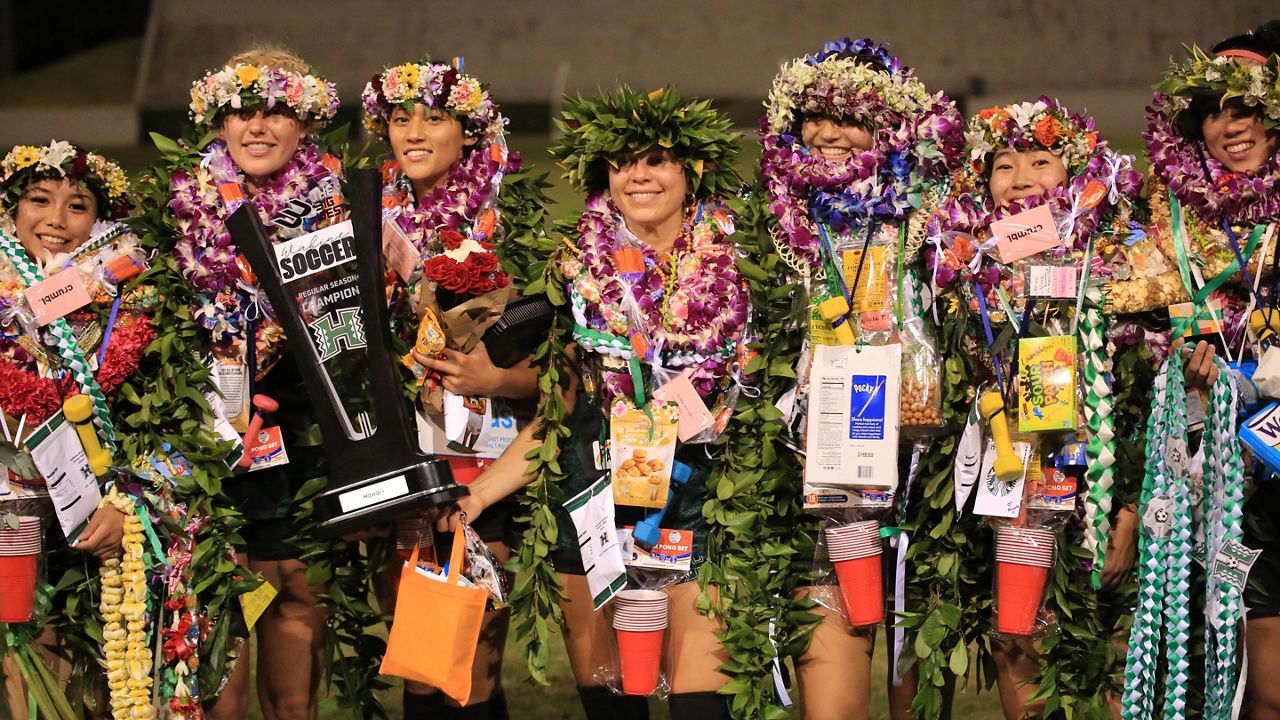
1099 428
1164 593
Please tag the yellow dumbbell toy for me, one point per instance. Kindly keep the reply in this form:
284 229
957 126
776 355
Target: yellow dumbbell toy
78 409
1265 322
836 311
1008 464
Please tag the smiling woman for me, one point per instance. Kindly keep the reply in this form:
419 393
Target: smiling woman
265 103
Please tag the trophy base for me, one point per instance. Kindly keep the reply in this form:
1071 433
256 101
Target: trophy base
378 499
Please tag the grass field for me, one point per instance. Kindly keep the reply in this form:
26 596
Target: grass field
527 700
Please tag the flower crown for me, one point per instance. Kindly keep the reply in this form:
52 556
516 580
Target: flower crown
1257 85
436 85
26 164
1039 125
596 130
245 86
855 79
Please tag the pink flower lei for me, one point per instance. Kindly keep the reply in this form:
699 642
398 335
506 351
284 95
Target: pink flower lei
1201 183
917 139
205 251
970 211
456 204
692 304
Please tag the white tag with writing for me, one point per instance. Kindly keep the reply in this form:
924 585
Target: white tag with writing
60 458
593 517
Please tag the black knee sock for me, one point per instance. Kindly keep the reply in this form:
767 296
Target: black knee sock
435 707
698 706
600 703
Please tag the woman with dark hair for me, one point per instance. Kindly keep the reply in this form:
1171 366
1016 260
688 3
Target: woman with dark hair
851 143
1039 157
455 192
1212 137
650 287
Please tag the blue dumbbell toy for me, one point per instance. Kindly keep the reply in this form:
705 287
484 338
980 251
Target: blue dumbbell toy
646 533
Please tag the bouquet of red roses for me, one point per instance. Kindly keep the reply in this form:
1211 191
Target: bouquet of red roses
463 293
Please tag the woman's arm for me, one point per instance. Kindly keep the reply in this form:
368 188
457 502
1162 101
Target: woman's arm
474 374
508 473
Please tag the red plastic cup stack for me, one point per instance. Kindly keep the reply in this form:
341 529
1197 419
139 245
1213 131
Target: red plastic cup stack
1023 559
640 621
19 555
855 551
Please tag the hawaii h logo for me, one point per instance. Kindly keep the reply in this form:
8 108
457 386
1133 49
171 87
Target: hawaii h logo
336 330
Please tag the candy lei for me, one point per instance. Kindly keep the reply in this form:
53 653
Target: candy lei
206 253
124 617
691 306
1164 591
1099 427
66 341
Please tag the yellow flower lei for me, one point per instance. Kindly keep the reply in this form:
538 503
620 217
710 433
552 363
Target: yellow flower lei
124 619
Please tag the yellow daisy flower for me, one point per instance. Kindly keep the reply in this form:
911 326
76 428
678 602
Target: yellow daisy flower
25 156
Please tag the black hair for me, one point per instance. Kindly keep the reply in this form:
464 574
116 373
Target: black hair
1263 40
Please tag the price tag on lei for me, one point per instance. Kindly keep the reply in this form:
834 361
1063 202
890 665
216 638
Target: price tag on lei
1233 563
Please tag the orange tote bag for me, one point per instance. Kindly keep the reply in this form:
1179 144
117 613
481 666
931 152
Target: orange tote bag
436 628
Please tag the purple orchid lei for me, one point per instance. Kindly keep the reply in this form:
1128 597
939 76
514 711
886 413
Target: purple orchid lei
692 304
917 140
456 204
205 251
970 209
1204 185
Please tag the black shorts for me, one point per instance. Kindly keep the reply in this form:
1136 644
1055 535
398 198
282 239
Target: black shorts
1262 532
268 539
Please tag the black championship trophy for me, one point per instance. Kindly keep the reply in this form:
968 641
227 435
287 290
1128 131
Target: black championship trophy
327 290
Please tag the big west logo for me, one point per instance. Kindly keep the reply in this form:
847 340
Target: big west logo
336 331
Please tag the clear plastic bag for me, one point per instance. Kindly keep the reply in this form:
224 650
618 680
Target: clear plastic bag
640 621
848 568
482 567
920 395
1024 559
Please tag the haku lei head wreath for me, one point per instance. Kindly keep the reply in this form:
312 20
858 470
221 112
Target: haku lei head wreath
598 130
917 138
1255 83
1174 141
436 85
1039 125
243 86
26 164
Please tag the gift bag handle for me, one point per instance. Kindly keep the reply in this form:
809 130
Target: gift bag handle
459 546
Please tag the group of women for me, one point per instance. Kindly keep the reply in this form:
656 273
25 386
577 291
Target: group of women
881 223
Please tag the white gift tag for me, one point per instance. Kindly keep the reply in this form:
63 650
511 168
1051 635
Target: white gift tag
592 513
997 498
60 458
968 467
853 416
